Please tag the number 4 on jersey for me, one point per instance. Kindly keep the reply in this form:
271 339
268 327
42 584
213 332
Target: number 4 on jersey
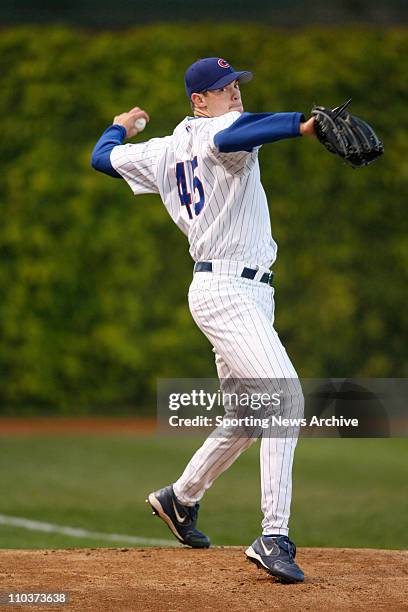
184 193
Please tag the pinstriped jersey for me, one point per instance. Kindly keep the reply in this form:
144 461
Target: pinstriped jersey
215 198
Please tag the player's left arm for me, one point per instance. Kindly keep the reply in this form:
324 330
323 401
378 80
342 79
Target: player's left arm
307 128
255 129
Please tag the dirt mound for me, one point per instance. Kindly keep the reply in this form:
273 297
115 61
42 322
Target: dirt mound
175 580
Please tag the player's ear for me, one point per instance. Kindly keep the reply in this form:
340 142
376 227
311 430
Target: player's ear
198 100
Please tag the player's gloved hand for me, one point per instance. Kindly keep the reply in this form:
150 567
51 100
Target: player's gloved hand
346 135
128 120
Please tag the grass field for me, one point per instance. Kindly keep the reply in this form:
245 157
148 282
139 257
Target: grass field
347 492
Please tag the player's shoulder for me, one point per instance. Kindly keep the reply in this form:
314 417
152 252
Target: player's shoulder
203 125
225 120
153 144
152 149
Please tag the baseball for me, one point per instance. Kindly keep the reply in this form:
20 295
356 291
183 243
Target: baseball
140 124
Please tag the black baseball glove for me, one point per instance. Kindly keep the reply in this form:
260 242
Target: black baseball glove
346 135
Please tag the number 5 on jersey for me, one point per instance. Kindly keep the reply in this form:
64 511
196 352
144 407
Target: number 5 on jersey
183 187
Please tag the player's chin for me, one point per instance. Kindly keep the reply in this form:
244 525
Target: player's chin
237 108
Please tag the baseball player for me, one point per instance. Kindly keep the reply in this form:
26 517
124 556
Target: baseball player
207 175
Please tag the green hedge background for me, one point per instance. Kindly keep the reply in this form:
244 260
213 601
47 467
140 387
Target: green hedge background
93 282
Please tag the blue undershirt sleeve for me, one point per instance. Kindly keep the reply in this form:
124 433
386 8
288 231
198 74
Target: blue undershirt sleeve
254 129
113 136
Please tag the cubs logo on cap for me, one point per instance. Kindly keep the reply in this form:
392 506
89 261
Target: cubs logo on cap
212 73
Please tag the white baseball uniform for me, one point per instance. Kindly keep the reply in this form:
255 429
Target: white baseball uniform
218 201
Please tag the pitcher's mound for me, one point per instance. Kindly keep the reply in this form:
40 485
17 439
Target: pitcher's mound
181 579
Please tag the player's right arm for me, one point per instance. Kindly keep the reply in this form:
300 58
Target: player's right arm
137 163
127 120
123 126
112 137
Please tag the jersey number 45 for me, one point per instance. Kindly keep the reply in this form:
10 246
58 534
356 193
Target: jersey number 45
187 186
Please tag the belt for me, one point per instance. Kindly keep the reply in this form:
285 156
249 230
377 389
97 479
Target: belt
206 266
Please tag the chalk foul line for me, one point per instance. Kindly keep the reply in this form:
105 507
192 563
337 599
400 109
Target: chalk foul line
76 532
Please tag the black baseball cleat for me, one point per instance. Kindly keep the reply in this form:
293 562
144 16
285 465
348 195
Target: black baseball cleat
180 519
277 556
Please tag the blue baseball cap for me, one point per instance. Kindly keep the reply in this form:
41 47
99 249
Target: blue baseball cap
212 73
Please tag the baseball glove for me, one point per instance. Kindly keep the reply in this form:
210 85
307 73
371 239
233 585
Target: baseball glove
346 135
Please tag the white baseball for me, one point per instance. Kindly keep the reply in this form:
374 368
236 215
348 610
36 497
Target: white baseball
140 124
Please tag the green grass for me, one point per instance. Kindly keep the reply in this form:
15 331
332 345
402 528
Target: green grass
346 492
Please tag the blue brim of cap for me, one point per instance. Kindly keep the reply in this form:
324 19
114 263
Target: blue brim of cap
243 77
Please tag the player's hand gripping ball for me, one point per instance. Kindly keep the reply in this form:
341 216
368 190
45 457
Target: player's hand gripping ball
134 121
347 135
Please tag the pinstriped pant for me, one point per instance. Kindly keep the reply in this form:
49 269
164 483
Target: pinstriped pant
236 315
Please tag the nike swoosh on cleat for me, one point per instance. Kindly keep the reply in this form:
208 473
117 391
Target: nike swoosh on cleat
266 551
179 518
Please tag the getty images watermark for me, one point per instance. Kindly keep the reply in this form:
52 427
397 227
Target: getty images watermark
284 407
217 401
